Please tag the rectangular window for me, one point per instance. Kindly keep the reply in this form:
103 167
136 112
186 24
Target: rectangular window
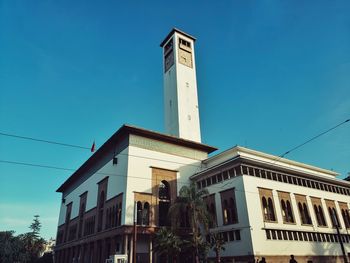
238 235
300 235
284 233
225 175
284 178
305 236
290 235
273 232
219 176
231 236
268 234
295 235
214 179
279 234
229 208
208 181
257 172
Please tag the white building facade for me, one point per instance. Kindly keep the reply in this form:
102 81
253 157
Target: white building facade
263 205
266 206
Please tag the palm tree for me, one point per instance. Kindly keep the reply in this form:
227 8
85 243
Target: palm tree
191 202
217 244
168 244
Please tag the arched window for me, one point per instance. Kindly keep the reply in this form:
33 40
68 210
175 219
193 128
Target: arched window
307 216
164 203
107 218
100 210
145 214
302 213
271 210
332 215
323 220
346 217
164 190
139 213
102 199
113 216
284 211
317 213
120 214
116 215
290 217
213 214
226 213
265 208
81 219
232 211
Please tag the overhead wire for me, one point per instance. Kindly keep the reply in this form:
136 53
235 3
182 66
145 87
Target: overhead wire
222 185
44 141
311 139
131 155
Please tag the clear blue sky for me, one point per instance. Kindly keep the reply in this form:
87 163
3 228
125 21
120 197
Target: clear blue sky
271 74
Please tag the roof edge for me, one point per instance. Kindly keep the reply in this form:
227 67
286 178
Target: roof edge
124 131
178 31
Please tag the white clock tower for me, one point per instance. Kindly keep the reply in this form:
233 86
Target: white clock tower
180 86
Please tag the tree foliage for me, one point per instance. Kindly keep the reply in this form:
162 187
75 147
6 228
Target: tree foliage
25 248
217 243
168 244
191 201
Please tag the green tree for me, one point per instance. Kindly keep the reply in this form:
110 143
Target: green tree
191 200
217 244
167 244
33 244
24 248
11 247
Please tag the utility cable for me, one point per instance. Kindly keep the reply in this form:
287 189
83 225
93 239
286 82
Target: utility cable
313 138
44 141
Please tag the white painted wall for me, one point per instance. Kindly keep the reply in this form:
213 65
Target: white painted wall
140 173
243 246
262 246
116 185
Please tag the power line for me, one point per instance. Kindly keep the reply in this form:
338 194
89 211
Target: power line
44 141
219 186
136 156
313 138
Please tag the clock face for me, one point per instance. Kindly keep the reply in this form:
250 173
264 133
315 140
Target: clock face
185 57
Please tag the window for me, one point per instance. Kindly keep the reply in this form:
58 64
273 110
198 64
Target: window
81 217
334 217
267 205
164 203
119 214
303 210
210 202
286 207
145 214
184 42
316 202
100 210
229 209
345 214
139 213
333 213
